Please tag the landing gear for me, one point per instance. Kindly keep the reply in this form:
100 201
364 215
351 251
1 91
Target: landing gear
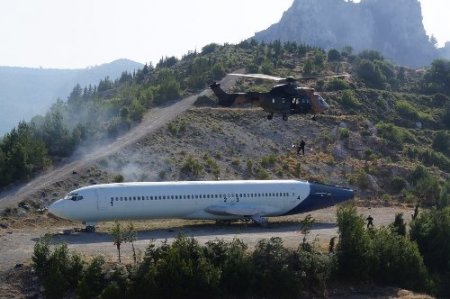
260 220
270 116
285 117
90 227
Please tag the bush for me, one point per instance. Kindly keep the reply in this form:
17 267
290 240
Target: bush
235 265
371 74
397 261
272 263
349 100
397 184
191 167
395 136
441 142
118 178
431 231
353 250
93 281
337 84
378 254
334 55
59 270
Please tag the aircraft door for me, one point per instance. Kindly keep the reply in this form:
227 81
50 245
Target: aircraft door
102 201
294 197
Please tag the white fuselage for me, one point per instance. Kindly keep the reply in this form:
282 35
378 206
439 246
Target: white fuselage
220 200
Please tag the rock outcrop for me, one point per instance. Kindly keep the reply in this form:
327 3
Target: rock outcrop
394 28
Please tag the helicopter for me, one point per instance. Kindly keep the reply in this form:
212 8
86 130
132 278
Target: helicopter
286 97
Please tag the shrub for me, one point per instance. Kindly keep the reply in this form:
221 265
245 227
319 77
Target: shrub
397 184
379 254
269 160
337 84
353 250
59 270
334 55
371 74
41 255
431 231
349 100
191 167
398 261
441 142
272 263
93 281
118 178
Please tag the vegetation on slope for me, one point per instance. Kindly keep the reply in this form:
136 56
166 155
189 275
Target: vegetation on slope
220 269
391 120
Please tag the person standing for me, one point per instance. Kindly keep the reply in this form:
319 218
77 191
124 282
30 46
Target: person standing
301 147
369 222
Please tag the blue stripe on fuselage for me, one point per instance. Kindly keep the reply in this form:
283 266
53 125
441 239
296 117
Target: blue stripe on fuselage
322 196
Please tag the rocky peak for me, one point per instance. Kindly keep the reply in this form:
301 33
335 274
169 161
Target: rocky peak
394 28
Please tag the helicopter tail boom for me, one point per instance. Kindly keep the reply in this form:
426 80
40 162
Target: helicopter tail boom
229 99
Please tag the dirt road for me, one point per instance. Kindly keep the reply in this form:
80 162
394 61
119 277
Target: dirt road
16 246
152 121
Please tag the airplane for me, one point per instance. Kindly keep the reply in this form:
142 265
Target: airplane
286 97
215 200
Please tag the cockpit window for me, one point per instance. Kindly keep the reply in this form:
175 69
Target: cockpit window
73 197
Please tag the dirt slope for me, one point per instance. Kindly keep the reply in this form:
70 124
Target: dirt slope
152 121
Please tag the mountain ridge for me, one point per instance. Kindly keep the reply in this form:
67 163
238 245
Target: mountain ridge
25 91
394 28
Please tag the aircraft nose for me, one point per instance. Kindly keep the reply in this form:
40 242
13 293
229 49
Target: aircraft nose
57 208
323 103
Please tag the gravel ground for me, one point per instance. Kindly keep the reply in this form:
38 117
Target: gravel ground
16 245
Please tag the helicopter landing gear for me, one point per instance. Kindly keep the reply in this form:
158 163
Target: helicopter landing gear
285 117
270 116
314 118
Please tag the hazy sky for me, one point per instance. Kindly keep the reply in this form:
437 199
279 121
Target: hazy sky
81 33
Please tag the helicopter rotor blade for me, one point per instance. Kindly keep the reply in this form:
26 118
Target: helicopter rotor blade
288 79
259 76
343 75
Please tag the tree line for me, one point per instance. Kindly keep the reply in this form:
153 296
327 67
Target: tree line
97 113
418 260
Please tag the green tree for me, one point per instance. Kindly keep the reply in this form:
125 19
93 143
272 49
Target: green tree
437 78
431 231
93 280
441 142
271 263
334 55
118 237
371 74
353 250
305 227
130 236
399 225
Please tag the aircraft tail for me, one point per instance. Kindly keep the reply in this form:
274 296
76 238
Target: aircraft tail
228 99
225 99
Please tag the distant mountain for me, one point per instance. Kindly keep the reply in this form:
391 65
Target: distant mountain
25 92
394 28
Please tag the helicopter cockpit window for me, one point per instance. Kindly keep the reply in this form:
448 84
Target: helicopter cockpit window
73 197
322 102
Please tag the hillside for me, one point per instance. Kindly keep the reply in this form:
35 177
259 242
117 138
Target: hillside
385 125
393 28
25 92
385 135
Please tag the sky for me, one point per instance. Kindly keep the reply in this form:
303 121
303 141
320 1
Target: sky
84 33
